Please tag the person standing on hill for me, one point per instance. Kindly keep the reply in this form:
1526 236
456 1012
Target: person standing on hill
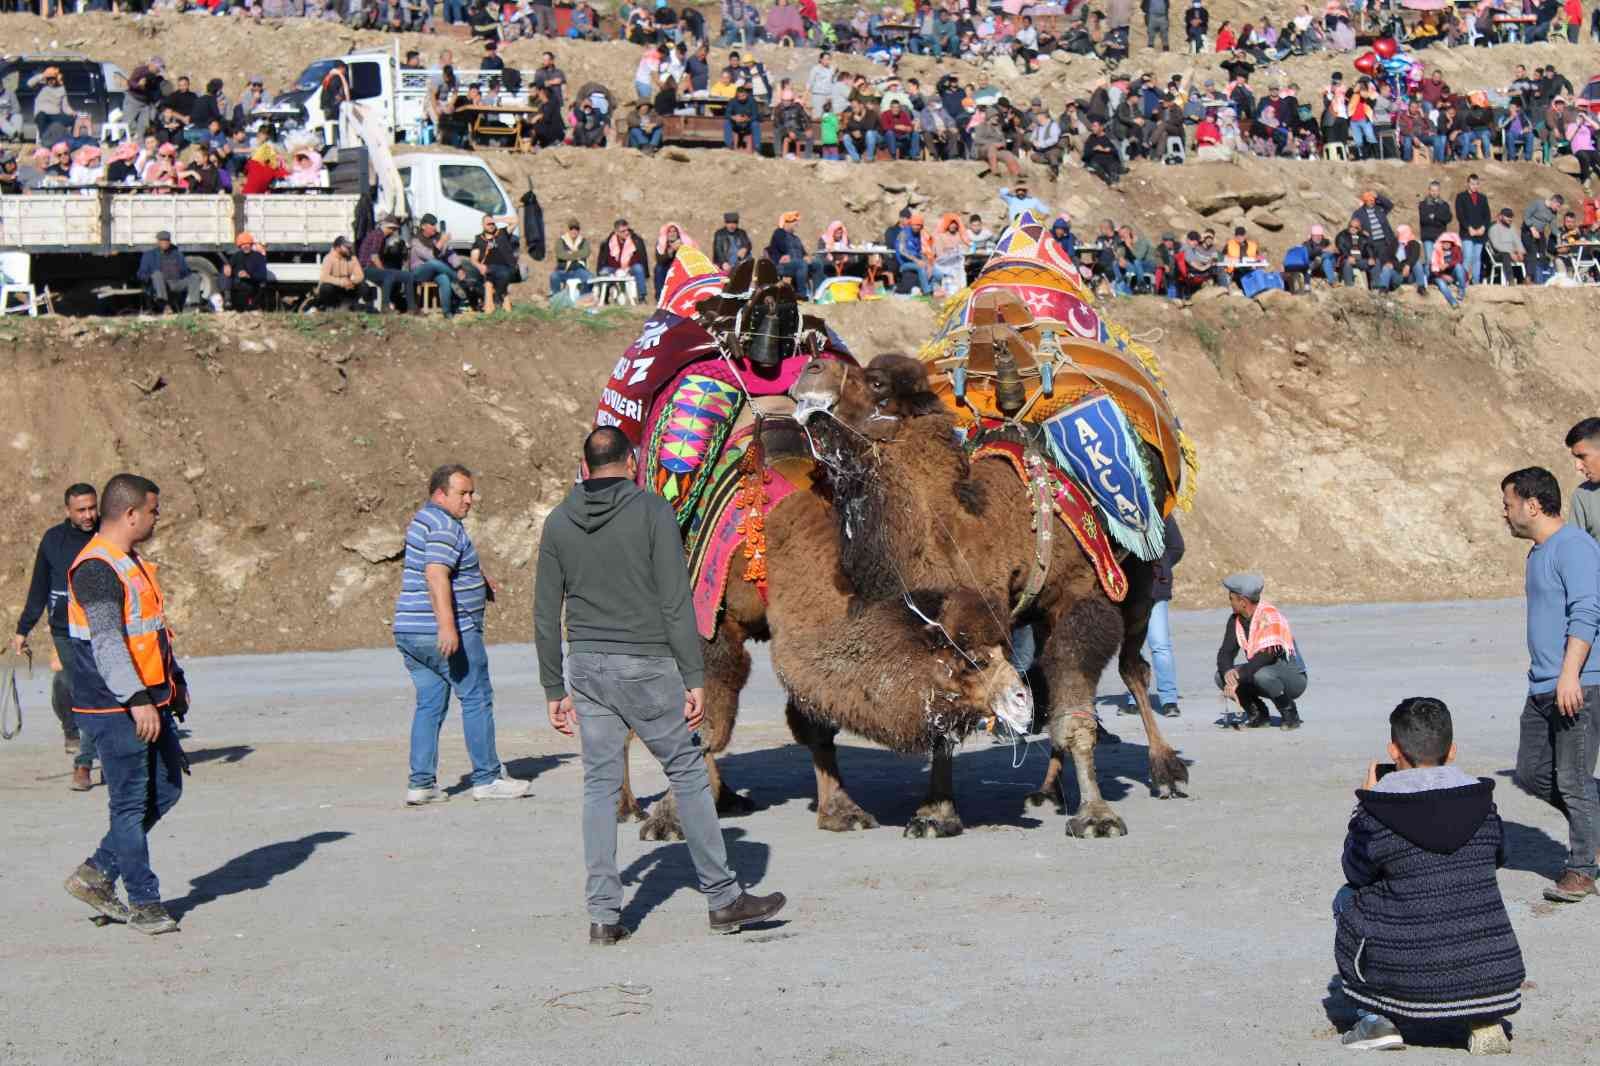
1560 737
611 564
438 629
1473 216
58 548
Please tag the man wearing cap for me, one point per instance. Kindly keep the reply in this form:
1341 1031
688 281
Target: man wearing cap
731 244
741 124
10 180
1505 245
385 277
52 110
428 261
1044 140
166 274
342 282
1272 668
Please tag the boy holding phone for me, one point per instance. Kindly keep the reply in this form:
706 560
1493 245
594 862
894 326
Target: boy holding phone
1423 934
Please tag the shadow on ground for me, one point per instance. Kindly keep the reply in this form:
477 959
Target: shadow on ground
231 754
527 768
662 871
253 870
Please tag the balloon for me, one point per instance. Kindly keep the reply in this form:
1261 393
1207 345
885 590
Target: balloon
1386 47
1366 63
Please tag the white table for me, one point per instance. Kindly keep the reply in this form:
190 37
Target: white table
609 288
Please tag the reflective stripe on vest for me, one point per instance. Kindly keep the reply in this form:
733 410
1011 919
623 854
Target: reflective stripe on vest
143 617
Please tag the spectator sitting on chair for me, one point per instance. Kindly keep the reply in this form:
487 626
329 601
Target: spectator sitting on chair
494 253
166 274
861 133
342 283
646 132
624 253
1100 155
793 126
245 276
383 255
1448 263
572 259
429 261
911 257
788 253
900 134
741 123
1505 246
668 242
731 245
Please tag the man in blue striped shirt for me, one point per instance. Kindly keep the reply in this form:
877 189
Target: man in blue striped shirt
438 627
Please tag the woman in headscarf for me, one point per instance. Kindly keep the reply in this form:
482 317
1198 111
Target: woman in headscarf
264 167
950 242
830 248
305 168
670 238
1449 263
86 168
120 168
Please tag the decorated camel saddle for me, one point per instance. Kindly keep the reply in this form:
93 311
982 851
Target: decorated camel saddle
1038 377
702 396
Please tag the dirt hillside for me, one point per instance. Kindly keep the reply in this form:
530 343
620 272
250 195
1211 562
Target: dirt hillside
1350 446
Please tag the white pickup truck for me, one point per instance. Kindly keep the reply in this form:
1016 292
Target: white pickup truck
85 243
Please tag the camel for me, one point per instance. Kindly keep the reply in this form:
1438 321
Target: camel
914 512
915 674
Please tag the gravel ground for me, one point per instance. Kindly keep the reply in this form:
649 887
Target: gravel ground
323 922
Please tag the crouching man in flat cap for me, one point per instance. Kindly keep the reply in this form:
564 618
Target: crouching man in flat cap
1272 669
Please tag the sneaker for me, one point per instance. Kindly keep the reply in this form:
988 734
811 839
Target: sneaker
1571 888
88 885
503 788
746 910
421 797
216 302
1488 1038
151 919
1373 1032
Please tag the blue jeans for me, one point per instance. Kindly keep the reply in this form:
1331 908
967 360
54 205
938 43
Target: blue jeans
1329 261
455 10
1519 146
903 145
559 279
1472 252
143 782
1158 640
61 704
855 155
638 138
920 272
730 135
467 672
1459 274
1362 131
797 271
1439 154
641 281
1468 138
442 276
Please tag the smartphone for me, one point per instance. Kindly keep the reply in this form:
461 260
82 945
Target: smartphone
1385 768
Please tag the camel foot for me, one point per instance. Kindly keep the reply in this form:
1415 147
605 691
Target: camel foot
731 804
628 810
1168 775
662 824
1169 791
937 819
1043 798
844 815
1096 820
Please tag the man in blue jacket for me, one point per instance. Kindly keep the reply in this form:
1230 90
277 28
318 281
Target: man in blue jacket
909 261
1561 716
47 592
164 271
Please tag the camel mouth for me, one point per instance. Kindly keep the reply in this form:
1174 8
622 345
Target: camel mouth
1012 701
809 405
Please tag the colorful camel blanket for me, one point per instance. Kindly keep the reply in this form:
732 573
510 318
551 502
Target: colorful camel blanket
1077 512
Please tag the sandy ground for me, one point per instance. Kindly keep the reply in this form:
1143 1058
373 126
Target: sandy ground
323 922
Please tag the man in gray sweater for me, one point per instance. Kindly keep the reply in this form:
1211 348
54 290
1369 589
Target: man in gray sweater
1561 715
612 556
1583 440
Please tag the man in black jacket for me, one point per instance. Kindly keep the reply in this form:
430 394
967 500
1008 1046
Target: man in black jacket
47 592
1100 154
1433 218
731 244
611 565
1473 216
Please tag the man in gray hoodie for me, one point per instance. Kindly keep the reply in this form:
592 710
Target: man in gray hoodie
612 556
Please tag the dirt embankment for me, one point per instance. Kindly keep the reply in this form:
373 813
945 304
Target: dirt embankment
1351 447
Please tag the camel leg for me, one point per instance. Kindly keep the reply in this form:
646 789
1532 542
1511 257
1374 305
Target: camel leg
1049 791
628 809
836 811
1080 645
727 670
937 817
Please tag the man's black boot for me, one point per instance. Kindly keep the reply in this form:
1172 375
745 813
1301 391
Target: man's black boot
1291 715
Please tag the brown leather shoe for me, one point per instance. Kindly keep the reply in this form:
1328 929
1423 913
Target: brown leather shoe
80 779
1571 888
607 935
746 910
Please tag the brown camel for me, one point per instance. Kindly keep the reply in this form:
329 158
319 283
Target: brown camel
914 682
914 512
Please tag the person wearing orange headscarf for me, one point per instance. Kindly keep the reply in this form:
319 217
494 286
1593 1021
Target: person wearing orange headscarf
788 253
911 257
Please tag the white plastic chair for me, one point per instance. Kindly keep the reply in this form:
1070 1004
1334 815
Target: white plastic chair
16 282
1175 152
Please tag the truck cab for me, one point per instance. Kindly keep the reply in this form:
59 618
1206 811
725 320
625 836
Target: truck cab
458 189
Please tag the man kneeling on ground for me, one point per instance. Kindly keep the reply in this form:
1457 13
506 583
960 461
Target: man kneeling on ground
1273 669
1423 934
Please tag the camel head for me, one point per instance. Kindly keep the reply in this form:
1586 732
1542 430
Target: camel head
870 400
970 641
